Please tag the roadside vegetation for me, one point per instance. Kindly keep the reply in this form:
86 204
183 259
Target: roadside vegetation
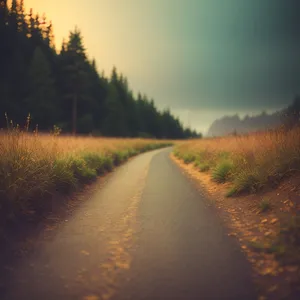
250 162
34 167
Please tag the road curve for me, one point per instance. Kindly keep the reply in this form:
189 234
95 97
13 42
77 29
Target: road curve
147 234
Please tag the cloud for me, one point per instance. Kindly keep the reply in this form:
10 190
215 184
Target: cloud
239 56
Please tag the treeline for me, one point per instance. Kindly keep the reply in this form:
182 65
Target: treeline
64 87
286 118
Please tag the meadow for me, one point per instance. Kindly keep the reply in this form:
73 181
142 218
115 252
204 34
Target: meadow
250 162
35 166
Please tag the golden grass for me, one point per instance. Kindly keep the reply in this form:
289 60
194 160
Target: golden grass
32 165
249 161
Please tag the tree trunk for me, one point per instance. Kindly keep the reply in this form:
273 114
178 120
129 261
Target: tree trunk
74 114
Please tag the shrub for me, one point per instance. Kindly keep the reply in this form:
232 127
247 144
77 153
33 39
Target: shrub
63 176
188 158
119 157
108 163
99 162
95 161
204 167
222 171
248 181
82 171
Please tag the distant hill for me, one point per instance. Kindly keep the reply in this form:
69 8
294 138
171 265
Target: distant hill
230 124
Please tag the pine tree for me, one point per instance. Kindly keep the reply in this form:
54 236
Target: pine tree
43 26
4 55
49 39
13 15
42 92
63 49
3 29
3 14
31 23
114 121
97 91
120 84
74 67
22 25
34 30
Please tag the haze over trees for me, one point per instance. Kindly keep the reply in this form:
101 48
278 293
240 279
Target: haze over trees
288 117
63 87
235 124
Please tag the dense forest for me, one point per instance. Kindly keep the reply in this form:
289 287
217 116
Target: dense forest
63 87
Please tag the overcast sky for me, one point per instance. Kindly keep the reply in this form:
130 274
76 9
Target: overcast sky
201 58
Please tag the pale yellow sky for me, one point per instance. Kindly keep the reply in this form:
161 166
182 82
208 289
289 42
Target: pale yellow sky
66 14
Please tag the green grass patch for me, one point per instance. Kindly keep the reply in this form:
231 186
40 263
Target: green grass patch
248 181
188 158
231 192
82 171
176 153
204 167
119 157
221 173
100 163
63 176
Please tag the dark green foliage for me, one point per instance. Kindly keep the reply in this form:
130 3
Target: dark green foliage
99 162
82 171
63 177
65 88
42 94
119 157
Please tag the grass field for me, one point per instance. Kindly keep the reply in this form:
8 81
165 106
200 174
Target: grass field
250 162
35 165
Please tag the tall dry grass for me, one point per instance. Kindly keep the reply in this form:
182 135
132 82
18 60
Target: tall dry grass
249 161
34 165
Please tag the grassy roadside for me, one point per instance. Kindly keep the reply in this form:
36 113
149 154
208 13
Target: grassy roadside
34 167
254 181
249 162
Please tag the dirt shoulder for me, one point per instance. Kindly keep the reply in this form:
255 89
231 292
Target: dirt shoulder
261 223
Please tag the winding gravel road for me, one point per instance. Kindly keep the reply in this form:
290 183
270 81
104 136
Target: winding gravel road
147 234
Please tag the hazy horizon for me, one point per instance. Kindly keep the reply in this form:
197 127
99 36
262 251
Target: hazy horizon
202 58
